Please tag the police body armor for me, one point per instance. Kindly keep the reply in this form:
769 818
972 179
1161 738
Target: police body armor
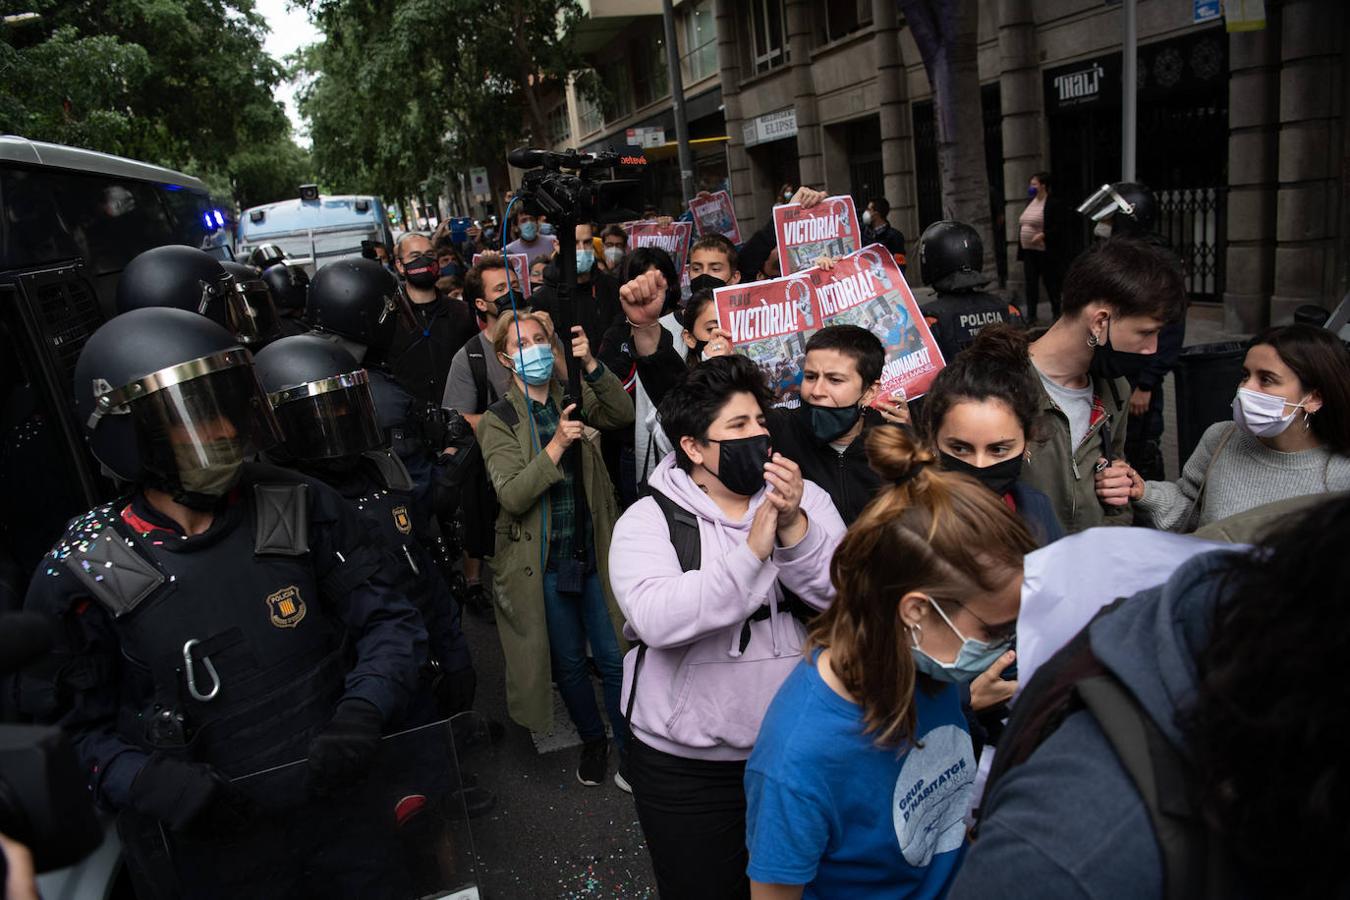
956 318
231 660
382 494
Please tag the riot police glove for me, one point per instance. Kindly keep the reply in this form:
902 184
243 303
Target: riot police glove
454 691
188 797
340 753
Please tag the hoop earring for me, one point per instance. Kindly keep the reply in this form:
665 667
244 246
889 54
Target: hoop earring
1092 340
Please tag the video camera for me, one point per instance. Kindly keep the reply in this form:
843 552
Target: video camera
44 803
563 186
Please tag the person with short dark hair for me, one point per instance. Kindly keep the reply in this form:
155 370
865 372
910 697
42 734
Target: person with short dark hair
877 229
1117 297
615 241
596 296
718 631
841 380
421 353
712 262
533 243
1289 437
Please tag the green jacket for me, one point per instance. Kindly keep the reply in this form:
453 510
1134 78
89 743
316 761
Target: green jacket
1067 475
1254 525
522 476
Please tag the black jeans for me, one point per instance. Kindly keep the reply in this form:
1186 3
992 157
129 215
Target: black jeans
1037 267
693 817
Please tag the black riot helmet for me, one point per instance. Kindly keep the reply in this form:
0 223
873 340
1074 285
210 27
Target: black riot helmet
320 396
252 316
289 285
360 300
265 256
178 277
169 399
239 271
1131 207
951 256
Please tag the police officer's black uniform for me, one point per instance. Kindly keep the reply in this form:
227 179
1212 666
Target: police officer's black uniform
186 661
952 255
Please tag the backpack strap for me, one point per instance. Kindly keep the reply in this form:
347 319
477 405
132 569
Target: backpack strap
1161 776
503 410
487 395
390 470
683 526
281 519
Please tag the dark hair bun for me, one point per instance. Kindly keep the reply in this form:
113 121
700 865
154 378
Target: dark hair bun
999 345
896 454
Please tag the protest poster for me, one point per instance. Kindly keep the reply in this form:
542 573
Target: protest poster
673 238
771 321
714 214
520 270
830 228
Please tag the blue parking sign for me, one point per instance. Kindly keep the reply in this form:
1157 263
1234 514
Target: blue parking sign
1205 10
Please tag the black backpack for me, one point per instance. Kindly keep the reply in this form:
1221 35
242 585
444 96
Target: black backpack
683 527
1194 865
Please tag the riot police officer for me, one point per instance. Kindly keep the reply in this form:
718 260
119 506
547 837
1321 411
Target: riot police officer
951 255
221 618
265 256
1129 210
182 277
290 287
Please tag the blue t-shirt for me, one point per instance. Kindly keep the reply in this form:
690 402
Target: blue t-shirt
829 809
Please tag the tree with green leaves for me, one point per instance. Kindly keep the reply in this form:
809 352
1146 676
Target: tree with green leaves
179 83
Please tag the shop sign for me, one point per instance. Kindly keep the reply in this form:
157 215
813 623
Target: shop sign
646 136
770 127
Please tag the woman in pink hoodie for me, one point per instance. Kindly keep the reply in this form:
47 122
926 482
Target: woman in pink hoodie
715 573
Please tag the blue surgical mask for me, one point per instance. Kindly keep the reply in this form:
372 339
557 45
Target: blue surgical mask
974 658
585 259
1031 191
529 231
546 228
534 364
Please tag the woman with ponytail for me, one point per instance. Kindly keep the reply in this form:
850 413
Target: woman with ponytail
864 769
980 416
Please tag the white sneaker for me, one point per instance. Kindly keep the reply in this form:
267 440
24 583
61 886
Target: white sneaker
622 783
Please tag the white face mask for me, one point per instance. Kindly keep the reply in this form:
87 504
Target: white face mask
1263 414
867 217
1102 230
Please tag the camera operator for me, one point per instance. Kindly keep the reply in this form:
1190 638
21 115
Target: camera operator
596 295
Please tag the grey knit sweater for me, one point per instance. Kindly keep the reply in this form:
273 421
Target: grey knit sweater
1246 474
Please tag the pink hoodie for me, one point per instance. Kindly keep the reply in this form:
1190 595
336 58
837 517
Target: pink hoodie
698 696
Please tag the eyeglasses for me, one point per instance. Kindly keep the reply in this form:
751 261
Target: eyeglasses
994 634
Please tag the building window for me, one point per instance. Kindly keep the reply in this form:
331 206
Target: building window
651 75
843 17
618 88
559 128
700 42
768 30
590 116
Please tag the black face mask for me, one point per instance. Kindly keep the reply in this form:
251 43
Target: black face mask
829 422
510 300
999 478
705 282
695 356
1108 362
741 463
421 271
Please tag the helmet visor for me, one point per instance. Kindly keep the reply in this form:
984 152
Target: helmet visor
328 419
1104 203
196 433
397 305
252 316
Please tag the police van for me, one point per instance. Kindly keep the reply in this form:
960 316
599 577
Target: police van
313 230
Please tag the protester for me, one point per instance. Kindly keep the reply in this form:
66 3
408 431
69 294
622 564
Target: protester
615 240
1290 436
1194 660
448 260
551 561
840 403
1043 244
595 299
713 572
532 242
877 229
475 382
420 355
1117 297
537 270
980 415
863 771
712 263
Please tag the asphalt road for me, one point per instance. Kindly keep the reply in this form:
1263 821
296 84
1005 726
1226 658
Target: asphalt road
549 836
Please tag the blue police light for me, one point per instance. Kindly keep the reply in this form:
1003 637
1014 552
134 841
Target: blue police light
208 221
220 220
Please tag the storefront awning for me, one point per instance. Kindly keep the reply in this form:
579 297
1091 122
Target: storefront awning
670 149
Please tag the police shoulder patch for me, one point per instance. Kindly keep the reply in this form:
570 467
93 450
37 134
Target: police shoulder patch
401 520
286 608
